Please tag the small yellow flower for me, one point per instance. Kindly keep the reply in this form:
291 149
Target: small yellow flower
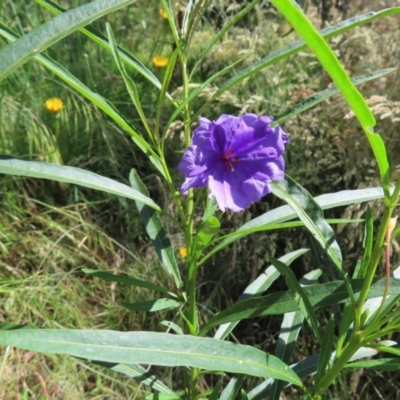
54 105
163 13
183 252
160 61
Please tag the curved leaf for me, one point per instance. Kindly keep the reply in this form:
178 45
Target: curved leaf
285 213
15 54
77 176
152 348
156 231
277 303
100 39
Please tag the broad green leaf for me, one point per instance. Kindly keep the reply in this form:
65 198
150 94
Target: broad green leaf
277 303
100 39
298 293
95 98
22 50
325 94
152 348
294 48
383 364
126 280
290 329
77 176
138 373
285 213
156 231
232 388
261 284
151 305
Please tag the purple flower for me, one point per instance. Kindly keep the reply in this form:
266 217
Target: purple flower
236 157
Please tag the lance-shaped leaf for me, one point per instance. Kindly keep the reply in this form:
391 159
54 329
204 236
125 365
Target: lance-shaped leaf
100 39
151 305
14 55
322 295
285 213
290 329
325 94
156 231
306 367
309 212
77 176
383 364
261 284
152 348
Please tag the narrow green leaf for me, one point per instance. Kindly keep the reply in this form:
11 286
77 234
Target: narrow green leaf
172 23
15 54
95 98
77 176
100 39
152 348
290 329
138 373
304 27
156 232
306 367
126 280
308 211
294 48
232 388
261 284
215 393
285 213
164 396
383 364
322 295
172 326
326 350
344 327
130 85
299 296
325 94
244 395
152 305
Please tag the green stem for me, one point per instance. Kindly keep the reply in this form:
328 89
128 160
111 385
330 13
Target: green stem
353 345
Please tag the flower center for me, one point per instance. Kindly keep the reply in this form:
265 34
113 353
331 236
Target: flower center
228 160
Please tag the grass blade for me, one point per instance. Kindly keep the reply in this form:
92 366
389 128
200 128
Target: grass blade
15 54
77 176
151 305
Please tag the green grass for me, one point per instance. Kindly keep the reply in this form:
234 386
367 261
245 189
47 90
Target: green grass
49 231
